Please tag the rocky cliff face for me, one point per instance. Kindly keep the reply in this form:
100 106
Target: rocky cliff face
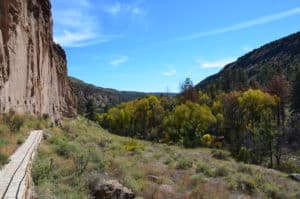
33 73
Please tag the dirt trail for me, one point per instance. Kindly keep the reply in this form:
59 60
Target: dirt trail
15 176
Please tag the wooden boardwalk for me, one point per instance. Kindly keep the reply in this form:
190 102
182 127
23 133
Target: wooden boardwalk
15 176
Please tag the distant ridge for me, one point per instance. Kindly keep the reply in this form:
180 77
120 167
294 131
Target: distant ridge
104 96
280 56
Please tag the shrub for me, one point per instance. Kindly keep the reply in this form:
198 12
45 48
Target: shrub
133 145
212 172
273 191
3 159
184 164
289 166
4 142
64 149
245 169
221 155
168 161
4 129
246 184
80 161
41 171
14 121
104 142
217 145
205 169
20 140
221 172
132 183
197 178
202 168
244 155
206 140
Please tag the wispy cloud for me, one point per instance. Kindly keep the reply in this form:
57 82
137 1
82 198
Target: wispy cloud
76 26
246 24
216 63
170 73
118 8
119 61
114 9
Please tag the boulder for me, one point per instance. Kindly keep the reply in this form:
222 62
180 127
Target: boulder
112 190
295 176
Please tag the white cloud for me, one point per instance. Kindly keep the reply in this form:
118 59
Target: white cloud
82 38
76 39
170 73
75 25
216 63
246 24
117 8
114 9
119 61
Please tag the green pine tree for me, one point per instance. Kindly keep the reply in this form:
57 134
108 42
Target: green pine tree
91 109
295 95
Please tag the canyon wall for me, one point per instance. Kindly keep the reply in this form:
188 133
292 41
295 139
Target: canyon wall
33 69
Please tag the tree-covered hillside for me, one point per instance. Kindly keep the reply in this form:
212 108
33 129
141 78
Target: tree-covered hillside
258 66
103 97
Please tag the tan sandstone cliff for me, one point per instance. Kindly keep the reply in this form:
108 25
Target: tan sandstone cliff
33 72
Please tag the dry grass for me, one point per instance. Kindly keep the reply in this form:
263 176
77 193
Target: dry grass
148 167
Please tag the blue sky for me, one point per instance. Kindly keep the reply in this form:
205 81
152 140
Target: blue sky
153 45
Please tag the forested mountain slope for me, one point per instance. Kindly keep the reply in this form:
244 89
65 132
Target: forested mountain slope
281 56
103 96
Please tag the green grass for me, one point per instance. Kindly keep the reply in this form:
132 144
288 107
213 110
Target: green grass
75 155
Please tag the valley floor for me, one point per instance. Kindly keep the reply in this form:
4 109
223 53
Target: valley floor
79 154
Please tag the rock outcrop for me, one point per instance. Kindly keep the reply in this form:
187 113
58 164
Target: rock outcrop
33 72
112 190
295 176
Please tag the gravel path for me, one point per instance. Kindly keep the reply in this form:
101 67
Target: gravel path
15 176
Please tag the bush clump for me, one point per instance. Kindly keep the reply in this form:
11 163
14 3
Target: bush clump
184 164
246 184
4 129
211 172
245 169
289 166
219 154
41 171
3 159
221 172
273 191
206 140
133 145
14 121
63 148
244 155
20 140
202 168
197 178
